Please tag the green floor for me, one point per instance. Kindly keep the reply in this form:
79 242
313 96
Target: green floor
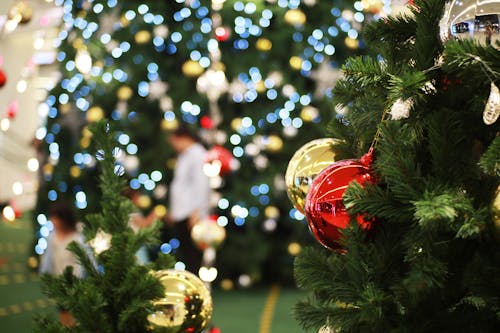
20 296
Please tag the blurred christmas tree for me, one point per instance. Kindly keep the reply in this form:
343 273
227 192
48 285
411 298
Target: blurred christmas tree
250 75
430 261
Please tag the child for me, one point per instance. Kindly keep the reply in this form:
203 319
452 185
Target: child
57 257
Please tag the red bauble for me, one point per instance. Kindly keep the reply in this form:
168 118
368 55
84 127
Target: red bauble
325 210
222 34
3 78
220 157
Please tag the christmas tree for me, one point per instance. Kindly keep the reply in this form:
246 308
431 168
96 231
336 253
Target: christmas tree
249 75
116 294
428 262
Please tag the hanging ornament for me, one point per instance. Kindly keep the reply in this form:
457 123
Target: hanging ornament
326 329
21 12
3 78
219 161
12 109
324 208
186 305
222 34
492 108
401 109
495 211
305 165
207 233
295 17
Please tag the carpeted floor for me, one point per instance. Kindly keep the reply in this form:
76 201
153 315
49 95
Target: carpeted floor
262 310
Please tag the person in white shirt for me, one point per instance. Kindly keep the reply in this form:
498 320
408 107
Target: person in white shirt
57 257
189 195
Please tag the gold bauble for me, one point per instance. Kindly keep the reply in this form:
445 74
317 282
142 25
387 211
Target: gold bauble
94 114
495 211
21 12
192 68
142 37
208 233
296 63
263 44
274 143
305 165
186 305
295 17
124 93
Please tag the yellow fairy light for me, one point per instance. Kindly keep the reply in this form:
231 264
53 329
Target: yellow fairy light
294 248
260 86
263 44
169 125
295 17
236 124
272 212
124 93
142 37
192 68
85 142
296 62
94 114
75 171
351 43
160 211
144 202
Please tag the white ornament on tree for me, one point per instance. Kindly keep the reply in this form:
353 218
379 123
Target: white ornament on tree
492 108
325 77
401 108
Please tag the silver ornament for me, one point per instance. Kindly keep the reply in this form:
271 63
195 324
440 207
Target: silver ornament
492 108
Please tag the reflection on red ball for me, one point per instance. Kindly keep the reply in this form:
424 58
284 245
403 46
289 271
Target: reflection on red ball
222 34
325 210
3 78
222 157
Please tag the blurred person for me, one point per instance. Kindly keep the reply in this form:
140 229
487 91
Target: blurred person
489 33
57 257
189 195
138 221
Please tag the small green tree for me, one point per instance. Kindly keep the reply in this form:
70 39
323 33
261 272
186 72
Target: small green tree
116 294
432 264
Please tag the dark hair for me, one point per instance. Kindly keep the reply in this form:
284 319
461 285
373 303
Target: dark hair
65 213
185 132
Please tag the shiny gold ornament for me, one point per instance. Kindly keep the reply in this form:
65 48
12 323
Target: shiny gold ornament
295 17
305 165
296 63
124 93
495 212
192 68
274 143
21 12
263 44
94 114
142 37
207 233
186 305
